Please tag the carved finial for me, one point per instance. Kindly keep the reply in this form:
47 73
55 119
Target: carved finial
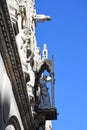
45 52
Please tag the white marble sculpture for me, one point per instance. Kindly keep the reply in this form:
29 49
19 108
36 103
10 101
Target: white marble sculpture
20 39
30 84
44 95
22 42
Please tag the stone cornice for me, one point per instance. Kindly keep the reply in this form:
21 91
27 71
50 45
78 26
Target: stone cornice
12 63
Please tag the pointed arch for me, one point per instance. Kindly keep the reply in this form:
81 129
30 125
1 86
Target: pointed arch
44 65
14 122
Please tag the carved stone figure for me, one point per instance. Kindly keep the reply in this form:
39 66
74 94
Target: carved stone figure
37 58
44 95
20 39
26 57
30 83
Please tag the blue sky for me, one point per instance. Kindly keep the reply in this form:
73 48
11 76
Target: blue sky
66 37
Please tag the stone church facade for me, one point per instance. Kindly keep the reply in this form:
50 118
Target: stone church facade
26 102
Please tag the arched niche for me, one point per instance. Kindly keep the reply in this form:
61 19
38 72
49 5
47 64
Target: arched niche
49 111
44 65
13 124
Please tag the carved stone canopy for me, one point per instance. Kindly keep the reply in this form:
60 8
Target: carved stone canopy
44 65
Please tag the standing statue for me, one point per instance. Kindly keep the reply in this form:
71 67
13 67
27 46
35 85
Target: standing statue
26 57
37 59
44 95
30 83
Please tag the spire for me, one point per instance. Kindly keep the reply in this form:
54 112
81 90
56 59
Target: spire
45 52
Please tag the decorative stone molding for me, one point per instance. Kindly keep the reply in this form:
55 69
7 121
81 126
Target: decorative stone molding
12 63
14 122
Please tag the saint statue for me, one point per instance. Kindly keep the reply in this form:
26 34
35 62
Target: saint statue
44 95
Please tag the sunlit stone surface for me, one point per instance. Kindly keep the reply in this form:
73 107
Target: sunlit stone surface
26 102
